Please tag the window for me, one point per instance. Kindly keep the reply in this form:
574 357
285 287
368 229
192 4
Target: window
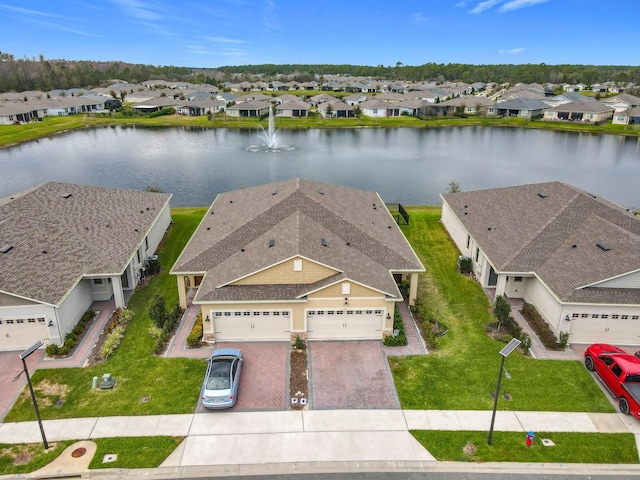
625 317
584 315
595 315
20 320
265 313
634 317
97 281
517 279
330 312
615 316
575 315
218 314
256 314
616 370
278 313
604 315
237 314
246 314
368 312
346 288
468 241
31 320
477 254
297 265
378 312
320 312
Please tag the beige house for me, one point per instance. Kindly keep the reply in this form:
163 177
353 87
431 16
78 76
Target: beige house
589 112
297 257
573 255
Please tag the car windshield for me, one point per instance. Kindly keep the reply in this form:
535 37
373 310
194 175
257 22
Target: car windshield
633 378
219 377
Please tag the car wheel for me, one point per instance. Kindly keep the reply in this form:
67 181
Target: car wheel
624 406
588 362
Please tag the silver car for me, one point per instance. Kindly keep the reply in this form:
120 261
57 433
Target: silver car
220 386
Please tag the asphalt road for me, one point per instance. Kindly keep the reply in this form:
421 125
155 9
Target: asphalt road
431 476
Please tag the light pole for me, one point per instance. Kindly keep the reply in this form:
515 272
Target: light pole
509 347
24 355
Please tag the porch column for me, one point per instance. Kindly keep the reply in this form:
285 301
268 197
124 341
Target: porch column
413 289
182 292
118 294
501 284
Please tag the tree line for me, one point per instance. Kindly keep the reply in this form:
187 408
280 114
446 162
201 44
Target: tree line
42 74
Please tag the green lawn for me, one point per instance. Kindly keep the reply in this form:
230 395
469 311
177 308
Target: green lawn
510 447
462 372
172 384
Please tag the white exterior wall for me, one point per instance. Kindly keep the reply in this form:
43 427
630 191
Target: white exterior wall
546 304
375 112
71 309
158 230
7 343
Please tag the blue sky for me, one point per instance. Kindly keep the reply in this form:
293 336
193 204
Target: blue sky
211 33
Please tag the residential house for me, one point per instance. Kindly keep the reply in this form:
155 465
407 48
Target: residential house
335 109
14 112
623 101
465 105
630 116
64 246
296 109
570 253
196 108
355 99
574 88
249 109
379 109
567 97
522 107
320 98
590 112
297 257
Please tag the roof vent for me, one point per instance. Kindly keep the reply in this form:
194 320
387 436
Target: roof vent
321 192
274 192
272 242
66 195
6 248
603 246
323 242
211 211
574 246
542 195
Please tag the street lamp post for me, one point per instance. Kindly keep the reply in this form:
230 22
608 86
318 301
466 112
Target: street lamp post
23 356
505 352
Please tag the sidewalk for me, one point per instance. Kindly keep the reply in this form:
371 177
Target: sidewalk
238 438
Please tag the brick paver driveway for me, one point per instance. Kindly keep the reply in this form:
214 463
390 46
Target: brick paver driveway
265 376
350 374
10 366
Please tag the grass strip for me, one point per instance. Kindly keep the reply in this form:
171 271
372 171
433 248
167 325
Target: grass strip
133 452
471 446
25 458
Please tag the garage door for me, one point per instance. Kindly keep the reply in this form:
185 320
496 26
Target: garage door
21 333
348 324
592 330
263 325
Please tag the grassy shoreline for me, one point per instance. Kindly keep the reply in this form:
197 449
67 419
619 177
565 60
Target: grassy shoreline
11 135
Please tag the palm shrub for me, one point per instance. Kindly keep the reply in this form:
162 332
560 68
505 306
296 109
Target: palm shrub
195 337
112 342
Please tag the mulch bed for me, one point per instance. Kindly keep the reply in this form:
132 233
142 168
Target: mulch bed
298 382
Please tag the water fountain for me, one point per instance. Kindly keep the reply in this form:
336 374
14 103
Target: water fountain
269 137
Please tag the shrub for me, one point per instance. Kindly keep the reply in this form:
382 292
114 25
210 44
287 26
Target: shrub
195 337
299 343
153 268
163 111
125 317
525 342
502 310
537 323
112 342
563 340
156 332
52 349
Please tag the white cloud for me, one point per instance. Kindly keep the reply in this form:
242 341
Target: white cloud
419 17
138 9
511 51
460 4
518 4
224 40
485 5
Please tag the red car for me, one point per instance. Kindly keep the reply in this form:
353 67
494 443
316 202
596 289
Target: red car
619 371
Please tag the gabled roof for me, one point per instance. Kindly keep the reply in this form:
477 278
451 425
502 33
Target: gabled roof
61 232
587 107
533 228
363 243
522 103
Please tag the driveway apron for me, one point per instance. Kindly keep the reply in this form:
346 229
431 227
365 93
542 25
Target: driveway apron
350 374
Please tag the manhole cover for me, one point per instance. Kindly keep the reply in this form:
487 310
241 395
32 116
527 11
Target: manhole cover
59 403
506 396
78 452
492 395
145 399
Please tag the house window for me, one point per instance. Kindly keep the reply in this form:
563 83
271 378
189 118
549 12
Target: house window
278 313
346 288
375 110
41 320
31 320
575 315
634 317
378 312
320 312
20 320
468 241
477 254
349 312
330 312
265 314
297 265
615 316
237 314
97 281
368 312
339 312
584 315
517 279
358 312
625 317
218 314
246 314
256 313
595 315
604 316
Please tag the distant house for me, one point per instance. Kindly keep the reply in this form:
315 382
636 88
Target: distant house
355 99
249 109
156 104
336 109
196 108
14 112
574 88
378 109
65 246
623 101
296 109
590 112
320 98
521 107
630 116
571 254
467 105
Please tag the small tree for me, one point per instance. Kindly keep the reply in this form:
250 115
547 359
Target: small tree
454 187
502 310
329 110
158 312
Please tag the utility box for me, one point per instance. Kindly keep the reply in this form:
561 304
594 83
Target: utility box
107 381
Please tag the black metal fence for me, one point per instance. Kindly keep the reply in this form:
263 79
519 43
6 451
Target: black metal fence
398 213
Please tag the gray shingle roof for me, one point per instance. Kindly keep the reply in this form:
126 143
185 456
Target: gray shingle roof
364 243
521 232
58 240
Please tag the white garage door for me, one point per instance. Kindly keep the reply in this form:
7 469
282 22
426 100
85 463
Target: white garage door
349 324
263 325
21 333
593 330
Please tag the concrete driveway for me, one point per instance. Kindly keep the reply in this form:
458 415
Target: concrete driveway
265 376
350 374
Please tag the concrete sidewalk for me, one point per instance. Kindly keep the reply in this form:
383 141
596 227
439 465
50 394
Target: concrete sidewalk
239 438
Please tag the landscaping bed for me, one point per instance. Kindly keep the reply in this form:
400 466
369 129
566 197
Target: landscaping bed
298 381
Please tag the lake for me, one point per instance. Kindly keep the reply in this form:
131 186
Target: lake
406 165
